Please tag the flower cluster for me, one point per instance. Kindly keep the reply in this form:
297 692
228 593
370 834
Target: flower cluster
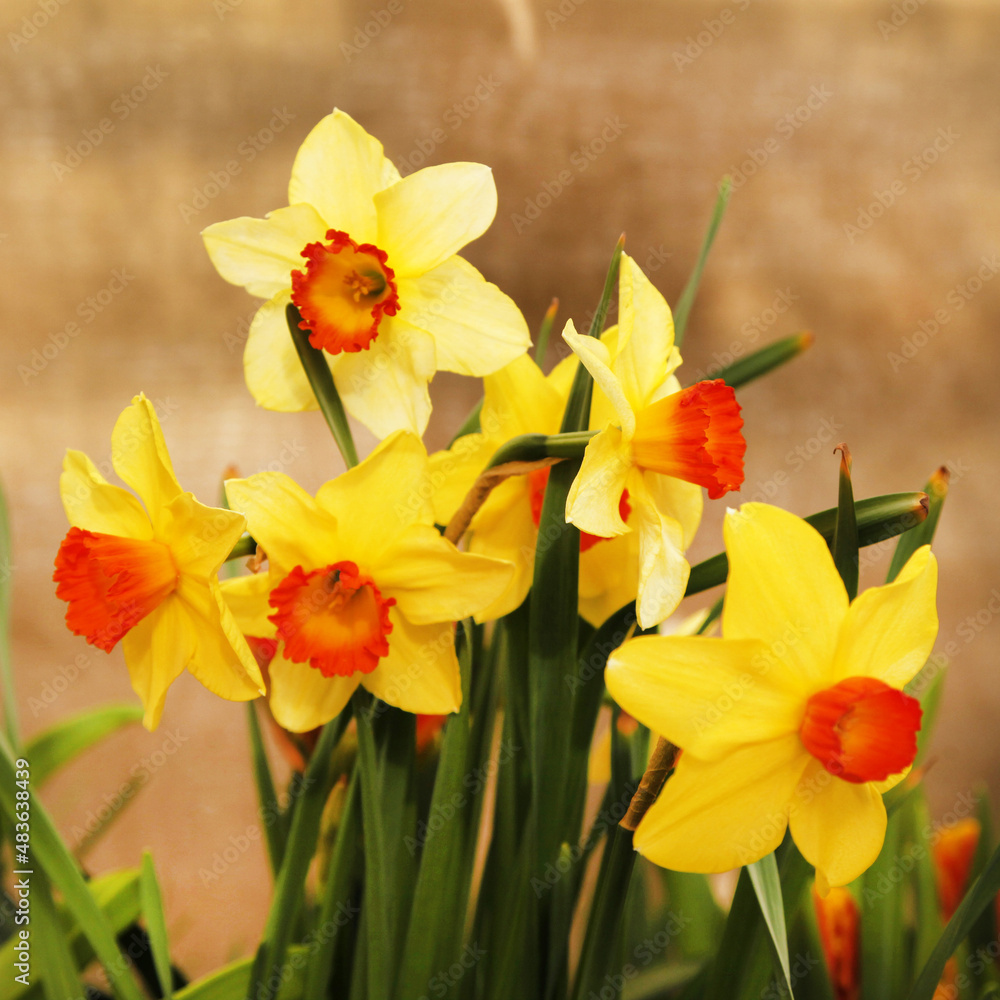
794 717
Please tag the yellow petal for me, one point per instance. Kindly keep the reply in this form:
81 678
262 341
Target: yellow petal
220 658
94 504
385 387
595 355
421 672
433 582
663 570
338 170
476 328
271 365
200 537
645 335
503 529
838 826
592 503
561 379
139 455
784 590
260 254
431 214
155 651
302 698
711 817
518 399
709 696
677 499
289 524
453 472
246 597
377 500
890 630
609 577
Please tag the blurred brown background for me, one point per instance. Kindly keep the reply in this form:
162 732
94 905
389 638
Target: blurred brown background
864 145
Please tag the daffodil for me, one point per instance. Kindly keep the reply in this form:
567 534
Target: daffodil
360 588
659 444
146 573
794 718
370 260
519 399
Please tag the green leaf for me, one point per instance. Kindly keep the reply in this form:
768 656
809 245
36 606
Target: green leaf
289 890
686 301
51 958
845 531
156 925
882 919
544 331
51 854
765 360
6 668
981 894
321 379
471 423
767 887
267 796
921 533
601 945
58 745
232 981
434 937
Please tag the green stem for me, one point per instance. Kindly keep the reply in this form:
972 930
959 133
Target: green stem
532 447
321 379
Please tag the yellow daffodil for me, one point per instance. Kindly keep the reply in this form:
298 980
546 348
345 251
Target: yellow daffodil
149 576
794 717
360 588
519 399
369 258
659 444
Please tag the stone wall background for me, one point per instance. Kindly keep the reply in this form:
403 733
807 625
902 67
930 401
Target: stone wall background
814 107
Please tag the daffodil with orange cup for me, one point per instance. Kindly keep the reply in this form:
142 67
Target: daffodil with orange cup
659 443
360 588
146 573
795 717
370 260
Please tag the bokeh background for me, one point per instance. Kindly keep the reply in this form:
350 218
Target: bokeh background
863 141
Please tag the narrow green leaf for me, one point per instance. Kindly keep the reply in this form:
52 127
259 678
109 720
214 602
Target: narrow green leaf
980 895
48 851
52 748
544 331
928 686
686 301
289 890
922 533
267 795
882 917
599 956
6 668
845 532
232 981
916 819
983 935
767 887
434 936
51 958
321 379
759 363
337 909
156 925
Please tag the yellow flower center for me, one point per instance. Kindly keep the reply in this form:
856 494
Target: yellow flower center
333 618
111 583
344 292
